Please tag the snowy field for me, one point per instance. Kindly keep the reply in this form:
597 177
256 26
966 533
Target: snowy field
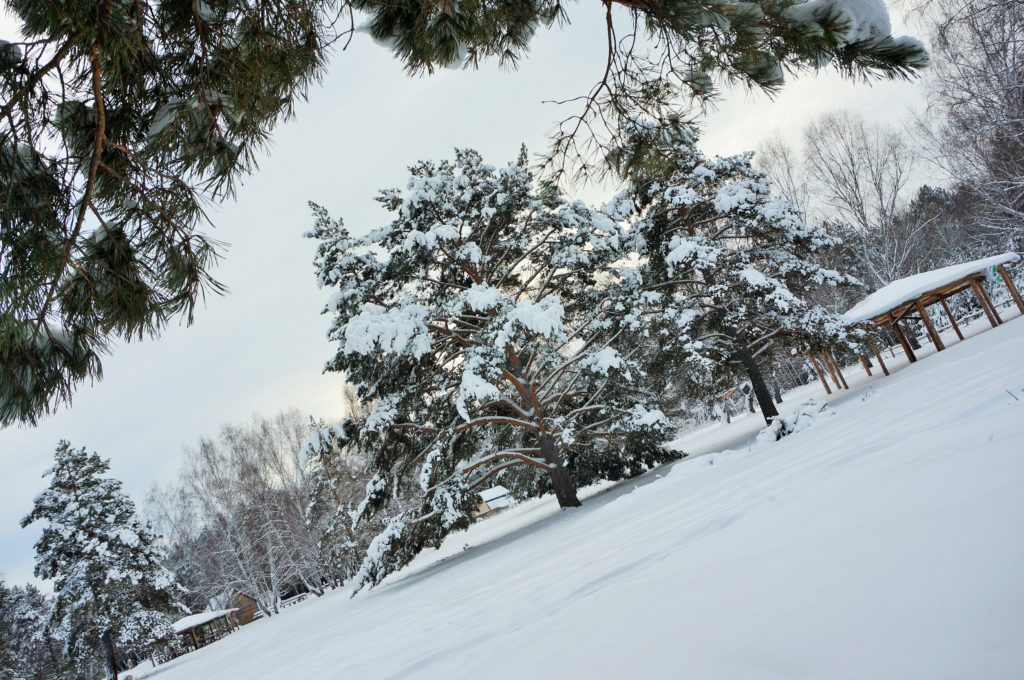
886 541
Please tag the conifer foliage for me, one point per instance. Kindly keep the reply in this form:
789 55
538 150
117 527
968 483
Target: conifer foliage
109 586
491 323
658 51
118 122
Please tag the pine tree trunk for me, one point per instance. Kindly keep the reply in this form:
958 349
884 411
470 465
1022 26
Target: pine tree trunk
565 490
761 392
109 657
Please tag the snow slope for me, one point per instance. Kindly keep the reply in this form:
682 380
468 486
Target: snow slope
883 542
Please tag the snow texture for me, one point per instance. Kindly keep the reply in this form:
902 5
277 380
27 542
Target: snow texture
904 290
398 331
881 543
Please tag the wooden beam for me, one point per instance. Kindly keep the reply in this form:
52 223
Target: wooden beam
878 355
831 370
907 349
817 369
991 305
1013 288
864 363
952 320
839 369
982 298
932 333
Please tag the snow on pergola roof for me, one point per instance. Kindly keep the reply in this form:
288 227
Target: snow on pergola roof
906 290
181 625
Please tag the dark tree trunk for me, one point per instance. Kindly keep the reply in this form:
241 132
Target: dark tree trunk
912 337
565 490
109 656
761 393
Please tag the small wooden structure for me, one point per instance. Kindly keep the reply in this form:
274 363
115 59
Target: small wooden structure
491 500
909 298
247 608
192 632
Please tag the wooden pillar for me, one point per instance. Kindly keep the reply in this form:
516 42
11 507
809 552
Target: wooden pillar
831 370
817 369
984 294
982 298
927 319
864 363
839 369
903 341
195 640
952 321
1013 288
878 355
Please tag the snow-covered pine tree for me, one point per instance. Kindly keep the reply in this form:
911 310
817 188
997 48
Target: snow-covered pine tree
109 585
27 649
491 323
735 265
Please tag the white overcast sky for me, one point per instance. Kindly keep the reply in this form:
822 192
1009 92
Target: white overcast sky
261 348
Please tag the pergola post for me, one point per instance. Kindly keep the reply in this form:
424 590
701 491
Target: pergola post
932 333
817 369
878 355
952 321
864 363
831 369
839 370
982 298
1013 288
903 340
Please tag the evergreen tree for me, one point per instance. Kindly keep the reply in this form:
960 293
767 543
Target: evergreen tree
492 324
119 120
109 586
27 649
736 267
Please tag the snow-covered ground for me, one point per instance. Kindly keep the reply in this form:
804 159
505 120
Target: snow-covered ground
886 541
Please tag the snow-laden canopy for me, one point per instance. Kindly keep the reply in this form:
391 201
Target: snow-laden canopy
906 290
181 625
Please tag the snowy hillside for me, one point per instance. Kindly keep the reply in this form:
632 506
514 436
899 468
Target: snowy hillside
883 542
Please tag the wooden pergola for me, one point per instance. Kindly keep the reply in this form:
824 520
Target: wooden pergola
195 631
910 298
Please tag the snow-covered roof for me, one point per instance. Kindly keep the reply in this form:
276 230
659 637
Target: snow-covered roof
199 619
493 493
905 290
499 502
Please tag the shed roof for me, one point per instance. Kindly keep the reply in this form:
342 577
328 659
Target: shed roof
901 291
494 492
181 625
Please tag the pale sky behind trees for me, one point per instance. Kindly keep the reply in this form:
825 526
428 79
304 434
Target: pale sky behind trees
261 348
